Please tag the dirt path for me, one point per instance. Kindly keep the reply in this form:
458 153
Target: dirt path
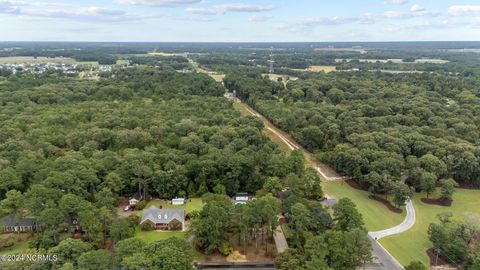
382 259
280 240
324 170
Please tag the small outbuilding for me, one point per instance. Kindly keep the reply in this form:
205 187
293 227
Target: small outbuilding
242 198
178 201
135 198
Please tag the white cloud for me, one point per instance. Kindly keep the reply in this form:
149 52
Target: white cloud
259 18
417 8
397 2
59 11
228 8
159 3
459 10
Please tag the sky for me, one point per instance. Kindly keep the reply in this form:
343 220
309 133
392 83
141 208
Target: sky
240 20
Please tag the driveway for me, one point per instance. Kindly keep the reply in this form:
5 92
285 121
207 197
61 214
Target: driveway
280 240
407 223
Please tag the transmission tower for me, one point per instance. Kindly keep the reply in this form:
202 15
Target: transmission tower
271 61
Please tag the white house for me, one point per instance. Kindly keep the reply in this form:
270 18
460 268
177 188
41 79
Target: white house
241 198
135 198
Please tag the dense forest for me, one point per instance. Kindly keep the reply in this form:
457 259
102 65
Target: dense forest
378 128
70 149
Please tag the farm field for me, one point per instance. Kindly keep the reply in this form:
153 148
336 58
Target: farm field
322 68
63 60
396 61
412 244
31 59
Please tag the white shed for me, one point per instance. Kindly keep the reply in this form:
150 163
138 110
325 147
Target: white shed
178 201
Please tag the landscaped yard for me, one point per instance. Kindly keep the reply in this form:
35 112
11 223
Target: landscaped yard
151 236
412 244
376 215
194 204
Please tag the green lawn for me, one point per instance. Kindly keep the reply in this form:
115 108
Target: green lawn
193 204
376 215
18 248
21 242
155 236
411 245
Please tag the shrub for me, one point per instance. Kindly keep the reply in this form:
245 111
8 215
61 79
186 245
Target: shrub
140 205
226 249
147 226
175 225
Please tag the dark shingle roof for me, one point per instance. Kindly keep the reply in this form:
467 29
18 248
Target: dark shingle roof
12 220
137 196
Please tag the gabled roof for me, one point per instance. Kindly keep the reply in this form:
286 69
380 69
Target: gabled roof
12 220
163 216
137 196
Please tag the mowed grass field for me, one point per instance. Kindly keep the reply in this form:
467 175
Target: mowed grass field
152 236
412 244
193 204
376 215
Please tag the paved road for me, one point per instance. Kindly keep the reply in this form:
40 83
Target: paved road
382 259
407 223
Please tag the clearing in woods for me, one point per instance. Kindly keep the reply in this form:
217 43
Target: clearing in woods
322 68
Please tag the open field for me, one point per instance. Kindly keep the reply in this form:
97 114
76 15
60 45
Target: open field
375 214
31 59
165 54
216 76
411 245
322 68
396 61
63 60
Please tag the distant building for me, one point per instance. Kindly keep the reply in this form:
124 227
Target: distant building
242 198
178 201
12 223
164 219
